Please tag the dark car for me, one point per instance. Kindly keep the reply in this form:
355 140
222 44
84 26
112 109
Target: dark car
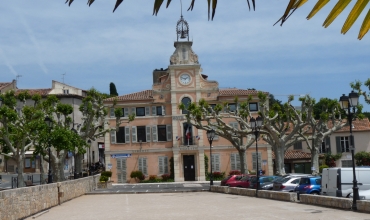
231 179
309 185
264 180
243 182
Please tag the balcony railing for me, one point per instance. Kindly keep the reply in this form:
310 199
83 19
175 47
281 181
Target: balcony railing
189 141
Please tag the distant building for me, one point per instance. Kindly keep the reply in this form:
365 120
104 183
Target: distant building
160 134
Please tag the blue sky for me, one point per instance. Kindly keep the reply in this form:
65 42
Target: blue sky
41 40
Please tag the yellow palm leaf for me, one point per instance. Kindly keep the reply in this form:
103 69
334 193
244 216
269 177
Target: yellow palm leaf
338 8
365 26
157 6
319 5
299 3
353 15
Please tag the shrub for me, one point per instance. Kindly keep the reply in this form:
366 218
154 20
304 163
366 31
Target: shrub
137 174
152 177
103 178
322 167
166 177
235 172
331 158
106 173
362 158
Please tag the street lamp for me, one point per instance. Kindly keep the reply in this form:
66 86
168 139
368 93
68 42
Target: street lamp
256 125
49 123
210 136
349 104
74 157
88 159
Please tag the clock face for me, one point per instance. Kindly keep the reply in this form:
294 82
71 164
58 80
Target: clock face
185 79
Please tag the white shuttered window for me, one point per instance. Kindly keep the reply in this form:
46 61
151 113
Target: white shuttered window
163 165
113 137
121 170
133 134
235 161
143 165
254 161
216 163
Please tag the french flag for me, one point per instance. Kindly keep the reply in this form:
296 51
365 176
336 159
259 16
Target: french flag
187 133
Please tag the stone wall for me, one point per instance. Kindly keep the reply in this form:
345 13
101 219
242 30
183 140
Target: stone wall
363 206
328 201
22 202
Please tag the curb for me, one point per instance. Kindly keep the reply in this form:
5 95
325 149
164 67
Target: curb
114 192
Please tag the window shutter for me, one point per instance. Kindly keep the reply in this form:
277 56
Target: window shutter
165 164
111 112
217 167
119 168
327 143
169 132
141 164
154 110
133 110
163 110
154 133
339 148
237 161
134 134
147 129
232 160
161 165
113 137
145 170
213 162
254 159
123 170
147 110
125 112
127 134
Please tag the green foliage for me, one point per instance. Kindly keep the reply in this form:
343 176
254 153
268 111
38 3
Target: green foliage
106 173
331 158
137 174
206 163
322 167
362 158
113 90
103 178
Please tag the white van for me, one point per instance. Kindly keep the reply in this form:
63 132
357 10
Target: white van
338 181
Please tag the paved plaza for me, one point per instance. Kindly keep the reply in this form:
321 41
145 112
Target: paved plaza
191 205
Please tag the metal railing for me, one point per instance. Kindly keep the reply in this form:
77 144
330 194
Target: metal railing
189 141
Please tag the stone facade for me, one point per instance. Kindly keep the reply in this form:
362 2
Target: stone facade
22 202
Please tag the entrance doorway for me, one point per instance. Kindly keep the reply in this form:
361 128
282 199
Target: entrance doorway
189 167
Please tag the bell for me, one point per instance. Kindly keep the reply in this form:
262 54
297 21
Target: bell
183 35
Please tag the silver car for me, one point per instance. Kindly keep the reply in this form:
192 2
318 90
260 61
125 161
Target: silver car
287 184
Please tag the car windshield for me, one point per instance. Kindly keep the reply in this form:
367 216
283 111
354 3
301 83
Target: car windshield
227 178
245 178
277 180
284 180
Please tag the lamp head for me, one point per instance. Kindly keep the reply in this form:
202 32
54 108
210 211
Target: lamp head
210 134
252 122
344 102
353 99
48 122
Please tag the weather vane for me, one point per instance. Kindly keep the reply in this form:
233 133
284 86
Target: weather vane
182 27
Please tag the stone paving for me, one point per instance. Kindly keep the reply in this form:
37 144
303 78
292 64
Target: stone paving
192 205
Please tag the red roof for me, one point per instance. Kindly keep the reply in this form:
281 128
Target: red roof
143 95
235 91
294 154
42 92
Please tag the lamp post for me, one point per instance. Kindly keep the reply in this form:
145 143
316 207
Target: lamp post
349 104
49 123
256 125
88 159
1 101
74 157
210 136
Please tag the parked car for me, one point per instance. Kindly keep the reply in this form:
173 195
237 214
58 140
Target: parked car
270 186
286 184
309 185
264 180
363 195
243 182
231 180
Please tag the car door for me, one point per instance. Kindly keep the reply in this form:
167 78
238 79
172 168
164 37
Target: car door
291 184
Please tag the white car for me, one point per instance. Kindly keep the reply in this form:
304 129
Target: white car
363 194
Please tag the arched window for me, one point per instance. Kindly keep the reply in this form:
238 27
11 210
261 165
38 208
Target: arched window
186 101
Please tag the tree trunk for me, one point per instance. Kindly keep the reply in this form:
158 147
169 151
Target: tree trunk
58 170
78 163
243 161
316 143
20 166
279 160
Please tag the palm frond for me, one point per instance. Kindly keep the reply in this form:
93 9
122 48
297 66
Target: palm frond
118 2
89 2
365 26
191 5
319 5
157 6
353 15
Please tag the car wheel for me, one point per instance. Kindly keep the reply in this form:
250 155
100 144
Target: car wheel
227 185
314 193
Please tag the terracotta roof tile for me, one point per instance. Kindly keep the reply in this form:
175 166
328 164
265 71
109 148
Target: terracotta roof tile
235 91
294 154
42 92
143 95
358 125
4 84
